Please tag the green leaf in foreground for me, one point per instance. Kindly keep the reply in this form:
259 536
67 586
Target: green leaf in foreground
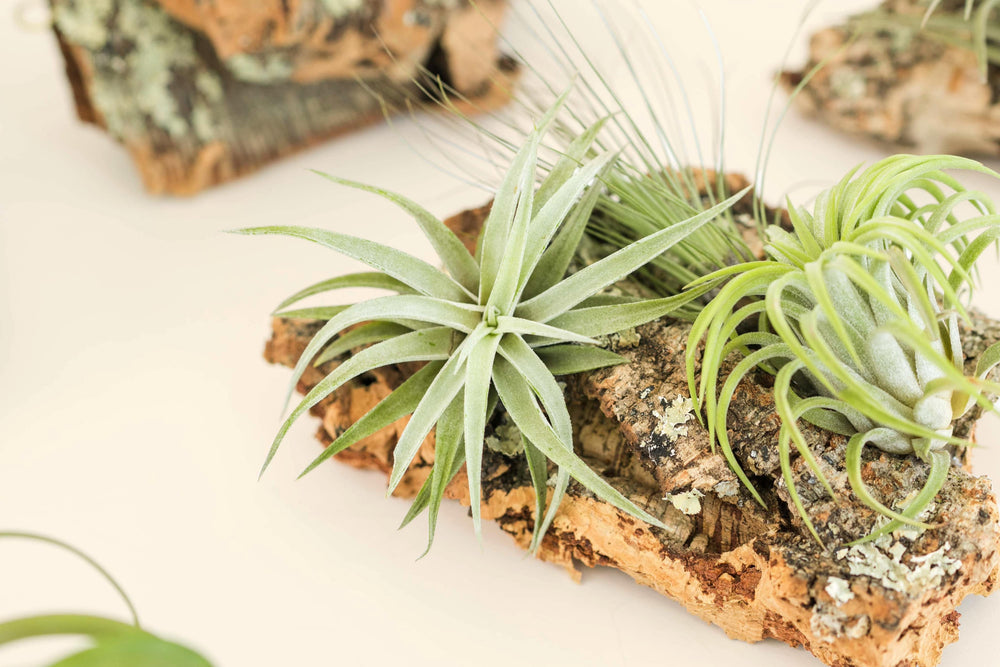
506 325
113 643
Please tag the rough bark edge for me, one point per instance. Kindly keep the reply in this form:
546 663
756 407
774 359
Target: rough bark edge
902 88
215 136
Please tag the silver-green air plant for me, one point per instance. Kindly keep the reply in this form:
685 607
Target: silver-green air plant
496 326
856 313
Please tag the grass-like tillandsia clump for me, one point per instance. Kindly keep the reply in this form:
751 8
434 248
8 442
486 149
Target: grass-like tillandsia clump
112 642
856 312
497 326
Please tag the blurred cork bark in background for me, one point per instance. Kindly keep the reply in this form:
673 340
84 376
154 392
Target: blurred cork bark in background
902 84
203 91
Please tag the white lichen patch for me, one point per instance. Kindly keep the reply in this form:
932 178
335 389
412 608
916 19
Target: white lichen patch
882 560
260 68
672 418
848 84
688 502
132 87
84 22
726 488
830 623
839 590
620 340
341 7
506 439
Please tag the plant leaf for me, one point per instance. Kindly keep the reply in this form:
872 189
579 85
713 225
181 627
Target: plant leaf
561 297
401 402
527 415
448 458
373 332
371 279
603 320
443 388
569 359
406 268
424 345
387 309
453 253
477 388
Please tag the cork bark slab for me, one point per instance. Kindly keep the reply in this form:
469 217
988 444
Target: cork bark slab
901 87
749 569
201 92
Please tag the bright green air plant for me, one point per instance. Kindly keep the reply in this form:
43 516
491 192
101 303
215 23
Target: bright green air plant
497 326
856 313
112 642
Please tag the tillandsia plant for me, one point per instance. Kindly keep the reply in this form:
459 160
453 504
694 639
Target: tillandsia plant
649 186
114 642
497 326
856 312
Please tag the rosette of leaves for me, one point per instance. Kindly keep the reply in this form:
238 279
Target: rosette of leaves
112 642
497 326
856 313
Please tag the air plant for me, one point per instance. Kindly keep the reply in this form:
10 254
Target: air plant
856 313
114 642
497 327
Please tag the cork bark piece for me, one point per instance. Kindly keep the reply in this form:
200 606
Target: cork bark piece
901 86
201 92
751 570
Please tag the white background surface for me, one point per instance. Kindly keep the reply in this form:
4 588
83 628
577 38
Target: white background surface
135 407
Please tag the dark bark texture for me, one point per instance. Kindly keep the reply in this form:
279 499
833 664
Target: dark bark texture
204 91
751 570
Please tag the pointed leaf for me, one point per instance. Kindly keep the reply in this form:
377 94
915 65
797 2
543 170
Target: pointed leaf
401 402
371 279
388 309
453 253
528 417
570 359
373 332
425 345
603 320
477 388
586 282
445 386
406 268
